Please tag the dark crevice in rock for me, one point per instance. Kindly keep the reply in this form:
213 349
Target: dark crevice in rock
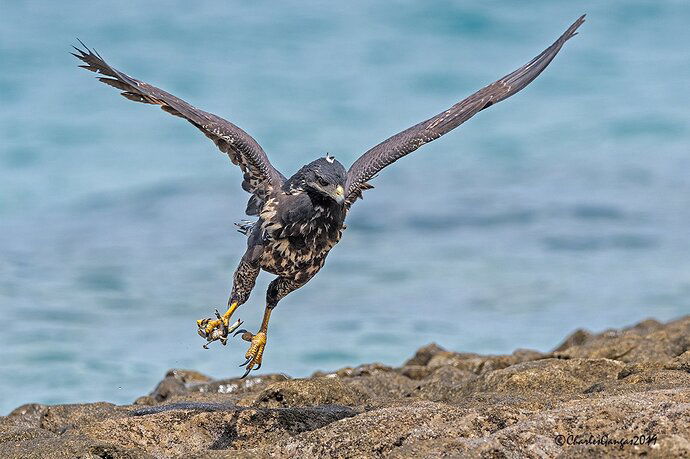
227 437
596 387
187 406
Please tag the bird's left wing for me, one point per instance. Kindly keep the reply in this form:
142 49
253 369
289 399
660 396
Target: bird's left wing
260 177
407 141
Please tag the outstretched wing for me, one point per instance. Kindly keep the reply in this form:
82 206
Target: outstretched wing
260 177
407 141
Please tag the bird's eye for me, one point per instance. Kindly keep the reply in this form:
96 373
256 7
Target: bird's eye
323 182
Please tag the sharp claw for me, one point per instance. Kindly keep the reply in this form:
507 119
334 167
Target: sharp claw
240 331
246 373
248 360
258 366
234 326
217 314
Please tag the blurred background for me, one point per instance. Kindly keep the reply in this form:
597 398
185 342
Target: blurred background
563 207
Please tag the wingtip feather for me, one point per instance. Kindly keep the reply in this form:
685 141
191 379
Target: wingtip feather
572 30
82 43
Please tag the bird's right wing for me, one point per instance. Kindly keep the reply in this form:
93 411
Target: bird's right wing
260 177
407 141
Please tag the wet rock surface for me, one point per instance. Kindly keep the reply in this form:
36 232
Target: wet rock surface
624 386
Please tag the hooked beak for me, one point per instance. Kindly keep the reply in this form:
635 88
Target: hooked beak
339 194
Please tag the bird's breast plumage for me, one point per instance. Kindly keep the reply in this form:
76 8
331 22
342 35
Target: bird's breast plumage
298 233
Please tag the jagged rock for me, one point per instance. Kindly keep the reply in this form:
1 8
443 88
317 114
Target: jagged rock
591 391
648 341
424 354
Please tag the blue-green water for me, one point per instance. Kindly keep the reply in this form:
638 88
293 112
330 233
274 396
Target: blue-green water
566 206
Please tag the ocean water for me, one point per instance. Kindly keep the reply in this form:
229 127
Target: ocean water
566 206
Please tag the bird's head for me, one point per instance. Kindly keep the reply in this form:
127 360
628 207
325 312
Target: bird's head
324 177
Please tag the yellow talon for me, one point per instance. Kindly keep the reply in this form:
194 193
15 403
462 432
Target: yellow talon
256 349
255 353
219 328
212 325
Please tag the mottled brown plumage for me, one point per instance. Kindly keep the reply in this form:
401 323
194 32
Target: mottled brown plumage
300 219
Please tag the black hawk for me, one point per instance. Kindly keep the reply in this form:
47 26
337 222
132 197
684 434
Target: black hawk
301 218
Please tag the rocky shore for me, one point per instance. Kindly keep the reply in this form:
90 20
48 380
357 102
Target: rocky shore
620 393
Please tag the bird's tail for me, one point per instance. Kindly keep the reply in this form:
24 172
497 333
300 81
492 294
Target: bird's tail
245 226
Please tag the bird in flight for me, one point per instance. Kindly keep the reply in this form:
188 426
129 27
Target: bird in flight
301 218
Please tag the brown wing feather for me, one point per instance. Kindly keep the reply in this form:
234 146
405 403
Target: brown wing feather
260 177
407 141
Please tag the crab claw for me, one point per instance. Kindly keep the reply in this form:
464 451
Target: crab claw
216 330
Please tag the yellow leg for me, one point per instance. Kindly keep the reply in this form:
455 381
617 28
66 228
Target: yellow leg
258 343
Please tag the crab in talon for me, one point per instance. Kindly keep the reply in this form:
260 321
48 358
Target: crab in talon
216 329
